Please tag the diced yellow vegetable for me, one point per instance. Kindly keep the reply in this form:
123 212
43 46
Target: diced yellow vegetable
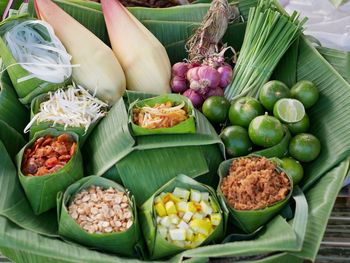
157 200
170 208
201 226
170 197
189 234
143 58
198 239
215 219
213 205
174 198
160 209
191 207
99 69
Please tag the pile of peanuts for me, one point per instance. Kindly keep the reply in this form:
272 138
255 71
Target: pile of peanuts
99 210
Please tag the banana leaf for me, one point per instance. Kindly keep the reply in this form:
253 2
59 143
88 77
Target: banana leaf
158 247
339 59
41 126
249 220
11 110
186 126
11 139
41 191
126 243
26 89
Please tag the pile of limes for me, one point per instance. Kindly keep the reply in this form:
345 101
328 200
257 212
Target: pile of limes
256 125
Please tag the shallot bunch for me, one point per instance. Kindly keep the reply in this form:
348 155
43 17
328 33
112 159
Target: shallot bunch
200 81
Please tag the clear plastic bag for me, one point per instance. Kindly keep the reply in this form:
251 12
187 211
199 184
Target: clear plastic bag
329 24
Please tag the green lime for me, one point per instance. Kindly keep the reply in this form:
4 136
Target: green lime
300 126
265 131
306 92
244 110
236 140
289 110
215 108
304 147
293 168
271 92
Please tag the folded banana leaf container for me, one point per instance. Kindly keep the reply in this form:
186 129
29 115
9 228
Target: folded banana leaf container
27 87
25 237
42 126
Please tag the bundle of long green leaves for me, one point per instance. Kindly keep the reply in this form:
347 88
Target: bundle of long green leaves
268 36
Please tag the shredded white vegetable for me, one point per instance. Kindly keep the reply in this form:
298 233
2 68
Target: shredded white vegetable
73 107
46 59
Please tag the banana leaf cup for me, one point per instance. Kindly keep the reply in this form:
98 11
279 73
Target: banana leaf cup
126 243
186 126
41 126
250 220
27 87
41 191
158 246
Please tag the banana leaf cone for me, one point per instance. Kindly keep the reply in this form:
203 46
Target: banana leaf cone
158 247
186 126
42 126
41 191
11 110
127 243
249 220
27 87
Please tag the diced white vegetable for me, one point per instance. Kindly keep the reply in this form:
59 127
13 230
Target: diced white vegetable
198 216
174 219
178 234
182 206
187 216
206 208
195 196
183 225
165 221
163 231
182 193
205 196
